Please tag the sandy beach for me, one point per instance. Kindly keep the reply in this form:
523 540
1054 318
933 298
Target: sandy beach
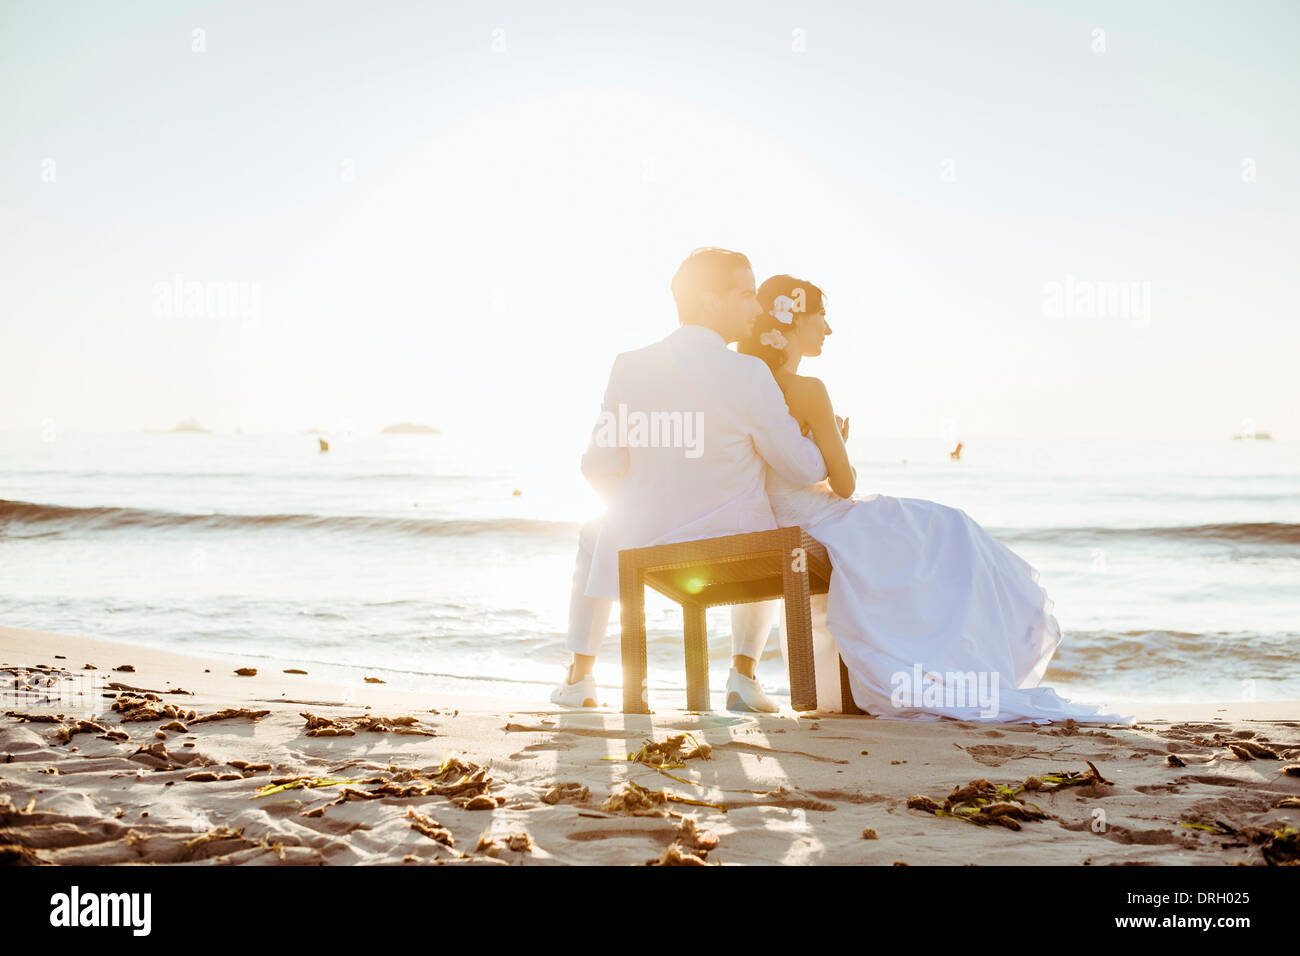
367 774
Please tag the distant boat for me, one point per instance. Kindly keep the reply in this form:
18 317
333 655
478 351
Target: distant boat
190 425
1253 436
409 428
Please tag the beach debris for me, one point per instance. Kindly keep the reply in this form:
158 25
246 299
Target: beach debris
294 670
175 725
348 726
692 838
519 842
675 854
246 671
147 705
1280 847
155 755
89 667
690 846
571 792
127 668
35 718
1173 760
869 833
345 795
430 827
211 776
1292 770
1287 803
67 731
281 784
247 767
375 680
638 801
488 846
670 753
214 835
120 736
985 803
13 854
228 713
1249 750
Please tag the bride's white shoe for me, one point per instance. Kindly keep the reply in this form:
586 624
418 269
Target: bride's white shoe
580 693
746 693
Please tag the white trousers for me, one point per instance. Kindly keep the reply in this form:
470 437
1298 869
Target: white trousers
751 624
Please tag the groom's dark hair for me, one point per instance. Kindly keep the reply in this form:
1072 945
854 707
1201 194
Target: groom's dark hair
704 270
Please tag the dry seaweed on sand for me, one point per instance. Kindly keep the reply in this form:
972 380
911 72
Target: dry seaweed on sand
674 855
571 792
690 847
67 731
669 754
348 726
146 705
1249 750
985 803
228 713
1279 847
634 799
305 783
345 795
1282 847
35 718
430 827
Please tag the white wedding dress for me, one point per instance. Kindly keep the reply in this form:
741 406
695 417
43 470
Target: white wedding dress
933 616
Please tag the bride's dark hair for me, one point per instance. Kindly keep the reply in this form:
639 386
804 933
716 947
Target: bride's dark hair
808 300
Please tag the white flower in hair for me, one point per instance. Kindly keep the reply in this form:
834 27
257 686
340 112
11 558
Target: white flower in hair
783 309
772 337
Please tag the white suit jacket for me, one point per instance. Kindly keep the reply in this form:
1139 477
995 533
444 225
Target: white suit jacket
687 430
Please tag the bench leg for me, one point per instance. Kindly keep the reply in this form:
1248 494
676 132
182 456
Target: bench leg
798 629
847 703
697 659
631 585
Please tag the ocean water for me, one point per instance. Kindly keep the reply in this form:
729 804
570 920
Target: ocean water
1174 566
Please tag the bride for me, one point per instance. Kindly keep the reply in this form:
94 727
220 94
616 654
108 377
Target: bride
933 616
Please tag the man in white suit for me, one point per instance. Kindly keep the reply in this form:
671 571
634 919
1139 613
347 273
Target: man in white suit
680 451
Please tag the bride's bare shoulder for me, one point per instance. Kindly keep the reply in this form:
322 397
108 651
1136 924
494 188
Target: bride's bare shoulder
805 391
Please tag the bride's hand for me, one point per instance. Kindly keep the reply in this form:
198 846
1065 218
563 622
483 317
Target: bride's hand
843 425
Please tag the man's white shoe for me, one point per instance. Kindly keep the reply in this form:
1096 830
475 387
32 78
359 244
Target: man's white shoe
746 693
579 694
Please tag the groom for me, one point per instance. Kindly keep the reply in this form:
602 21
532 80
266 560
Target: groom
716 420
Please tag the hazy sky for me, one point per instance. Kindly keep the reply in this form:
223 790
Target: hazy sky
458 213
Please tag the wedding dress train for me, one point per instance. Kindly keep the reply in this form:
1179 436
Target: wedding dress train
933 616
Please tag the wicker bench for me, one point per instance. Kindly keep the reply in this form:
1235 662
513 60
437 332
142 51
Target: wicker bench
735 569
